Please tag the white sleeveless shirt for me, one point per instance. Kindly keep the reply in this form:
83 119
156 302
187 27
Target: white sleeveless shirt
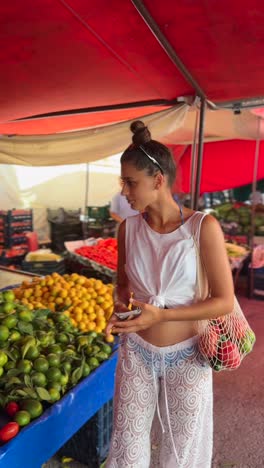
161 268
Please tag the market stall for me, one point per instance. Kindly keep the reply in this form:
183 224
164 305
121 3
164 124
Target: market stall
51 339
55 114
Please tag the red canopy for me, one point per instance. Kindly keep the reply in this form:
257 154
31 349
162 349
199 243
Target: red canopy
226 165
75 54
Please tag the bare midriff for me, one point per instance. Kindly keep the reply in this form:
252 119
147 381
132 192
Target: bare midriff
169 333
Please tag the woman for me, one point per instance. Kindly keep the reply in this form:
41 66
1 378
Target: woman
163 394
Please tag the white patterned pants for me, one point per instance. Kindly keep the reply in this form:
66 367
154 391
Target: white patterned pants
162 407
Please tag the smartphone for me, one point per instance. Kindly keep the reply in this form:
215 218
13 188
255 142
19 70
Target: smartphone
130 314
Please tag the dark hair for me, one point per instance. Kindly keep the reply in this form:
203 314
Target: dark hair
147 154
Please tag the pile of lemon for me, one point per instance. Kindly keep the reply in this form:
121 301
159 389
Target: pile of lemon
87 301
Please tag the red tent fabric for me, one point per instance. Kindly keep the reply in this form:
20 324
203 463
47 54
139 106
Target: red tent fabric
226 165
66 123
75 54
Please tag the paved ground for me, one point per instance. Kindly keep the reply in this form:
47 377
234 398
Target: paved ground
239 405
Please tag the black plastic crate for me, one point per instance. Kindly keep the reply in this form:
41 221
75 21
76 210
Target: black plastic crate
74 266
96 229
98 212
57 241
44 268
63 228
15 260
90 445
60 215
64 232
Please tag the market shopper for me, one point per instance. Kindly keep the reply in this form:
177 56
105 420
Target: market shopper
163 392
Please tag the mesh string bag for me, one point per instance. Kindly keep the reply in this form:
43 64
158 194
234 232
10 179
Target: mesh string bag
226 340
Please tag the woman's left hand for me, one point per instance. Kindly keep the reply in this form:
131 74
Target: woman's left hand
149 316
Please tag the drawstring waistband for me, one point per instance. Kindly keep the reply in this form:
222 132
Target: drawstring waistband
164 349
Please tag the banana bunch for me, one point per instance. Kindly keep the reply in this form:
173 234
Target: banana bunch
45 257
234 250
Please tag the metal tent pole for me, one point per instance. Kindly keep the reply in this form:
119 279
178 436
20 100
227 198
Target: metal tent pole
193 164
154 28
87 180
200 153
253 209
84 217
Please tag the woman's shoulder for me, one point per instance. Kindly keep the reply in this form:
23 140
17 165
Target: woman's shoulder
210 227
203 224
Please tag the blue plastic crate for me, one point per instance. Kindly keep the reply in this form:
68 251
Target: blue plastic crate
258 274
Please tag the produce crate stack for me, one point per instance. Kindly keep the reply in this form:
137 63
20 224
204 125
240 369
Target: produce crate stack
14 224
97 222
65 226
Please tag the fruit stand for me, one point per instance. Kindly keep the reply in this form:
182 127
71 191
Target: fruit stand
43 320
36 443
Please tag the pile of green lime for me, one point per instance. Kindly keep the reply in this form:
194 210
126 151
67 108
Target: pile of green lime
42 356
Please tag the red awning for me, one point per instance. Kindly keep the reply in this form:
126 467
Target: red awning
75 54
66 123
226 165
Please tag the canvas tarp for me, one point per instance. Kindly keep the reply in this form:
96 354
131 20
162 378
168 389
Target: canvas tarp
172 126
85 146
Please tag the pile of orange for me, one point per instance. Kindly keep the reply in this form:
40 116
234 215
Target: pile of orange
88 301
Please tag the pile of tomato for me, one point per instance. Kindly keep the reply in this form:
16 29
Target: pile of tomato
103 252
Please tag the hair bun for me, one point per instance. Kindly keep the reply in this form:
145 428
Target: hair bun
141 133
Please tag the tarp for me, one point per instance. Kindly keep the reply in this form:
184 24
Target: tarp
88 145
172 126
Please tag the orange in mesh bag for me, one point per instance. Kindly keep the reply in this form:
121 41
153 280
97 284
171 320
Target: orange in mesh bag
226 340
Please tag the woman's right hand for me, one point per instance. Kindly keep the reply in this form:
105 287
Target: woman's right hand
119 306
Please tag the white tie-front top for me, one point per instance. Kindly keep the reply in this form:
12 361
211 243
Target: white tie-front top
161 268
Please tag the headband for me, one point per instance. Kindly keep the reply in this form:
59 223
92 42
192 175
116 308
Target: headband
153 160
